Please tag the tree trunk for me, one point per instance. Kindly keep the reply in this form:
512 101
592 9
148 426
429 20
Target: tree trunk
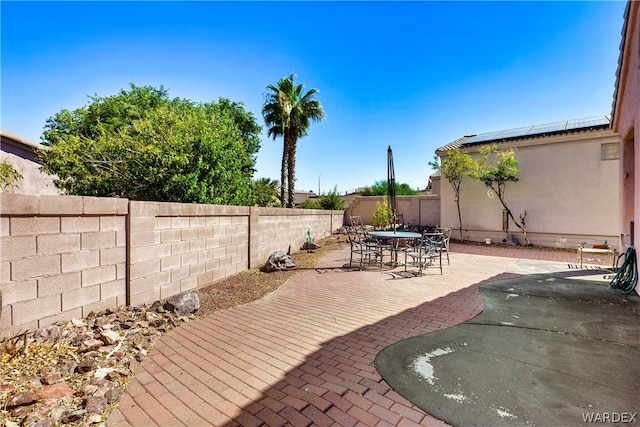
283 172
291 170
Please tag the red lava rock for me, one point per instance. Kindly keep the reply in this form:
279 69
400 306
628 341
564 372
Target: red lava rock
51 378
96 404
6 388
55 391
87 364
21 411
22 399
90 345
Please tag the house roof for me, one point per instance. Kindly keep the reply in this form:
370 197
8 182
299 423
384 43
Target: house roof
555 128
620 59
15 139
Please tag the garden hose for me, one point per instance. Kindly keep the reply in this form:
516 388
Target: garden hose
626 278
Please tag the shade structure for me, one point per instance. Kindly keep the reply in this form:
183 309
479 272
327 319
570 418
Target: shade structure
391 187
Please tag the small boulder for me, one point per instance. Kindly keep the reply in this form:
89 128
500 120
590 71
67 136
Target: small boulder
183 304
279 261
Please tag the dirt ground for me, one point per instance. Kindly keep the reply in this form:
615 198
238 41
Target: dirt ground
253 284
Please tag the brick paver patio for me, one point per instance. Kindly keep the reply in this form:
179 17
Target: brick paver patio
304 355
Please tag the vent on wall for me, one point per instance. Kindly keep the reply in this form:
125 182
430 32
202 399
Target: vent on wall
610 151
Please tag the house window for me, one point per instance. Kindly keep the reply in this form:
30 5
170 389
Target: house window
610 151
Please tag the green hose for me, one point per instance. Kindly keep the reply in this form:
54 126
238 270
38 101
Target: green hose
626 278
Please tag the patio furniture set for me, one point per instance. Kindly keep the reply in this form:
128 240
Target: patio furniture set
421 250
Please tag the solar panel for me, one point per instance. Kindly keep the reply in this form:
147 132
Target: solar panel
550 127
513 133
482 137
542 129
587 122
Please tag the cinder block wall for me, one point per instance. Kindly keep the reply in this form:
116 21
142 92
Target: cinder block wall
279 228
176 247
62 257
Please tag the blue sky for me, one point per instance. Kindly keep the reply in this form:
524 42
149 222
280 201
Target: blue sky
413 75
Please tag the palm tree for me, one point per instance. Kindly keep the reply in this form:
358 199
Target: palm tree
289 113
265 190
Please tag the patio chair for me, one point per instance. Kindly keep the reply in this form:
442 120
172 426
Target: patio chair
368 252
443 245
427 252
355 221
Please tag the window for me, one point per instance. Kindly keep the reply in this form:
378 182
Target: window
610 151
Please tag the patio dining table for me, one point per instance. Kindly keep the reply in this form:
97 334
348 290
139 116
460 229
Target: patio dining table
395 236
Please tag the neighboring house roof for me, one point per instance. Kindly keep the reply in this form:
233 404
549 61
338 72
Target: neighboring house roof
22 154
555 128
19 146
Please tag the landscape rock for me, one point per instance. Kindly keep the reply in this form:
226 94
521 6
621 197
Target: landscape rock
183 304
51 378
109 337
22 399
48 333
55 391
86 356
86 365
279 261
96 404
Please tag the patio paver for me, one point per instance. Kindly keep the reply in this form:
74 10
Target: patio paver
304 355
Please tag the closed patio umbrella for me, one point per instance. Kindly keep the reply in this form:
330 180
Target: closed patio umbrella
391 186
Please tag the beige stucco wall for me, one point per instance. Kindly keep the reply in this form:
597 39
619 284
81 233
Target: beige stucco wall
416 210
567 190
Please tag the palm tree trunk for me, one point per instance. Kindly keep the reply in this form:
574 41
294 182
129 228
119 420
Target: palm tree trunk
291 170
283 172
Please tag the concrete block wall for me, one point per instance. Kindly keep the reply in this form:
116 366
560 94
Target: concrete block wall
276 229
60 258
176 247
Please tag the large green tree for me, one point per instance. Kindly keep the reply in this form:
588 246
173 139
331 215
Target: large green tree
379 188
455 168
142 145
288 112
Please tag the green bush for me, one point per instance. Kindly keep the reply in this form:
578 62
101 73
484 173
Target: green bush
332 201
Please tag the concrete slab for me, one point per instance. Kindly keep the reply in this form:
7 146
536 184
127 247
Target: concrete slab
548 349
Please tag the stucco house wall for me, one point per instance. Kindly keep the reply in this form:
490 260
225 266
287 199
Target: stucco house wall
626 122
570 193
21 153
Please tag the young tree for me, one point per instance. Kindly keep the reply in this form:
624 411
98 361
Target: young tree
455 168
289 113
142 145
496 176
